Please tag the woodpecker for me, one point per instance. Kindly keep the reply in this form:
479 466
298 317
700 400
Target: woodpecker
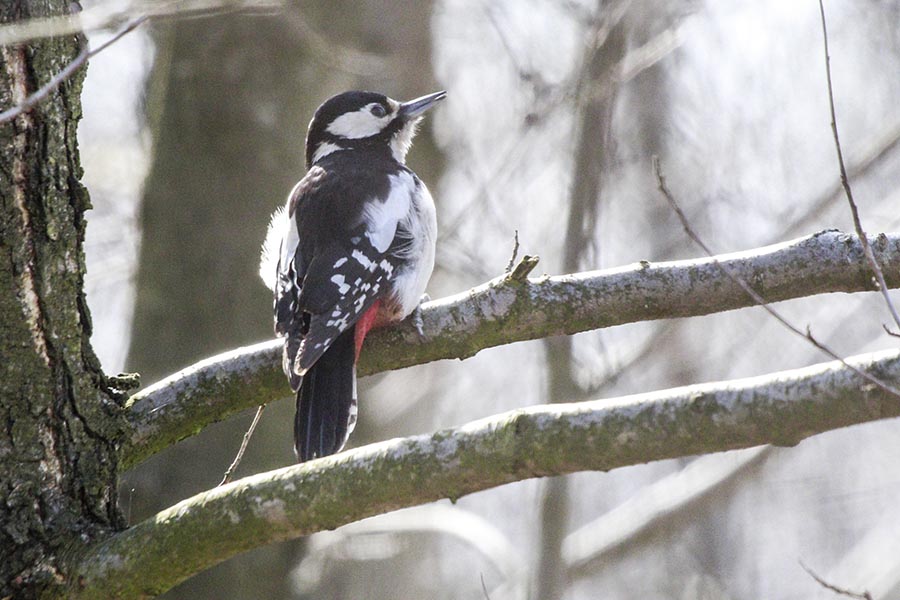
352 248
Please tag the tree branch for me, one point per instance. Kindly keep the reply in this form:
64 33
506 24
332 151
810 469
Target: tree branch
831 587
57 80
781 408
105 15
845 181
762 302
503 311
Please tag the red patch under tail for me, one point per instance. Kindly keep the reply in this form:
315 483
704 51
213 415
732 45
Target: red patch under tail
363 326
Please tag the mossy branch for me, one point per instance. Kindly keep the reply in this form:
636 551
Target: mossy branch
782 408
508 309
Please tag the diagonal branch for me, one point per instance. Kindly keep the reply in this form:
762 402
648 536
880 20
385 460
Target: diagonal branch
86 53
503 311
845 181
782 408
808 336
106 15
831 587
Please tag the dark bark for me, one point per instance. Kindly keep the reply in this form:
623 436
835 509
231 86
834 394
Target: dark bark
60 419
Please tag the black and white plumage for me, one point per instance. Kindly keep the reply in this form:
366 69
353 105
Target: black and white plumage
353 247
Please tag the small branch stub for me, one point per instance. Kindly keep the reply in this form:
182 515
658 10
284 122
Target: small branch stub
461 325
523 268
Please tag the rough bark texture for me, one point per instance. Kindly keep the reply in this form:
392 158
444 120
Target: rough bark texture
60 421
506 310
781 408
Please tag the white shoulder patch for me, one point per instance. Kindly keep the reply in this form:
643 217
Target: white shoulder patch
279 247
271 248
382 217
358 124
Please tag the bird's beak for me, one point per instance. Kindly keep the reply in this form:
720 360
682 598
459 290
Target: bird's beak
414 108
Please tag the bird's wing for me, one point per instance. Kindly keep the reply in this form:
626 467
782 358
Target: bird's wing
345 256
335 297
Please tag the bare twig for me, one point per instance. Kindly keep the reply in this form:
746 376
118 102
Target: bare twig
108 15
488 8
675 494
866 159
484 588
615 371
332 53
71 68
515 253
661 184
497 313
857 224
828 586
240 455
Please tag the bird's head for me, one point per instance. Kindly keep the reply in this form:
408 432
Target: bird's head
365 120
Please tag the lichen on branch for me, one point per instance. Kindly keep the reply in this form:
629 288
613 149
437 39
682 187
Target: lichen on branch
782 408
506 310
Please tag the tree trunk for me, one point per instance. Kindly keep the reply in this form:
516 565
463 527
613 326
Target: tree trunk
206 178
591 158
61 419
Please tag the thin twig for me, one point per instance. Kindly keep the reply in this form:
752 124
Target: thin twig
108 15
240 455
83 56
857 224
661 184
515 253
484 588
828 586
332 53
865 160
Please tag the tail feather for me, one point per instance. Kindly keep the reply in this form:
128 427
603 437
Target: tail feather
326 402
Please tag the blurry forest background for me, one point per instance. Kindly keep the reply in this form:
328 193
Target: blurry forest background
193 133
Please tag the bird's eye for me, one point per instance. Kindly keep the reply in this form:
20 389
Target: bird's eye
378 110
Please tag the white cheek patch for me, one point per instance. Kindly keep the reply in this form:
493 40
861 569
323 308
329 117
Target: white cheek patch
358 124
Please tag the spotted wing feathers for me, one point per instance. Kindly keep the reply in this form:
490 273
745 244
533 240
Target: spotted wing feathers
341 283
337 255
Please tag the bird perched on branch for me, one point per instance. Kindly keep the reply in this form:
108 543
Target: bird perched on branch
352 248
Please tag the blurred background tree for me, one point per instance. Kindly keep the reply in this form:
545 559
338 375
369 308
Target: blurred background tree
555 109
228 100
